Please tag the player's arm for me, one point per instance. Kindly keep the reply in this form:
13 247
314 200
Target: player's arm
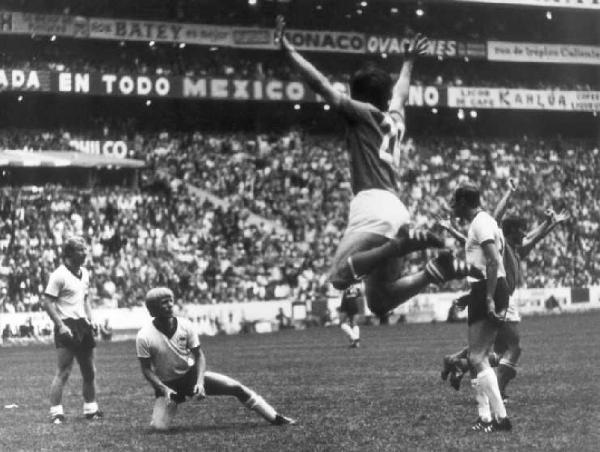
417 46
152 378
87 307
503 204
447 225
315 79
538 234
49 306
492 257
200 369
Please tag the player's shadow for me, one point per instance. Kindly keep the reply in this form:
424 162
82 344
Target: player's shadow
211 428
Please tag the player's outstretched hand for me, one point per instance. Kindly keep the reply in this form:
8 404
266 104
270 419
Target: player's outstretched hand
562 216
512 184
417 46
169 394
280 38
444 223
65 331
491 312
199 391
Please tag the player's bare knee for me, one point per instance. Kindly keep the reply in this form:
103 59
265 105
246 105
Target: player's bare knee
476 360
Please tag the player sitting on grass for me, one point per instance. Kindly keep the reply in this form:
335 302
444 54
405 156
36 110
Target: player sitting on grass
173 363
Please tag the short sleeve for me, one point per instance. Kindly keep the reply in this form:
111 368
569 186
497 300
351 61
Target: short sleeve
192 336
55 284
355 110
483 229
141 347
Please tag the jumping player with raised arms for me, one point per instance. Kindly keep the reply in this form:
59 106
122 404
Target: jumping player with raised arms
378 234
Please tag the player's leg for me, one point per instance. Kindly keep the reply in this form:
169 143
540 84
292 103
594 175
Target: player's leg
86 360
355 332
507 367
386 288
64 365
482 334
163 413
359 253
216 384
345 325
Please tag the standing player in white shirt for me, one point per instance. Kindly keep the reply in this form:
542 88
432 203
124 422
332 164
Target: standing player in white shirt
173 363
487 301
66 302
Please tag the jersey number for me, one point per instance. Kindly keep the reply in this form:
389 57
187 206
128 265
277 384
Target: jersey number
389 151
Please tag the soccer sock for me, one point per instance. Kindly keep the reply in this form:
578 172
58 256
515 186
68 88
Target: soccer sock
506 371
356 332
489 382
347 329
483 403
90 408
259 405
56 410
163 413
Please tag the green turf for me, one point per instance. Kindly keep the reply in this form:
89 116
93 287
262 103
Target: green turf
386 395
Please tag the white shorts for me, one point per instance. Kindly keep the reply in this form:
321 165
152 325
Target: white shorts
377 211
512 313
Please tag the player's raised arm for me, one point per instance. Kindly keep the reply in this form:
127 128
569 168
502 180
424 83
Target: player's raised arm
535 236
447 225
416 47
315 79
503 204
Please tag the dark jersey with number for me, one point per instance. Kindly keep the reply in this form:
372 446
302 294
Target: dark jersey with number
373 139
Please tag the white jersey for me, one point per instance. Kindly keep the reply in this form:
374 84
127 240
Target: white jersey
171 357
483 229
69 292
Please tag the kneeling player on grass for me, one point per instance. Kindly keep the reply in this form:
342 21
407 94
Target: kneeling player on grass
377 236
173 363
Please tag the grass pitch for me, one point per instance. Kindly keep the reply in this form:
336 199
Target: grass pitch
386 395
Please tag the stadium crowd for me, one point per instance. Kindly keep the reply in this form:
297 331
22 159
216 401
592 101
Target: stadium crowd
162 234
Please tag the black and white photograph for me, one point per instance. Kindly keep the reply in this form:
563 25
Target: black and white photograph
300 225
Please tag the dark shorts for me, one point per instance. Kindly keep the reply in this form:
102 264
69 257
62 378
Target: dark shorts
477 296
349 307
83 336
508 335
184 385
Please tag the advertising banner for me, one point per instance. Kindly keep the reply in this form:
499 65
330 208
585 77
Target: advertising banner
576 4
138 30
43 24
523 99
525 52
116 149
327 41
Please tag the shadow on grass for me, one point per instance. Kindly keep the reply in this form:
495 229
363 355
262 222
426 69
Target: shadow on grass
238 427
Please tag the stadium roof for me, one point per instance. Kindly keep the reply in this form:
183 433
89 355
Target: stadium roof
64 159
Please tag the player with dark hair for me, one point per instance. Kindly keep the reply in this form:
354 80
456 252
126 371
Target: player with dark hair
67 304
172 361
507 347
487 302
377 235
349 309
